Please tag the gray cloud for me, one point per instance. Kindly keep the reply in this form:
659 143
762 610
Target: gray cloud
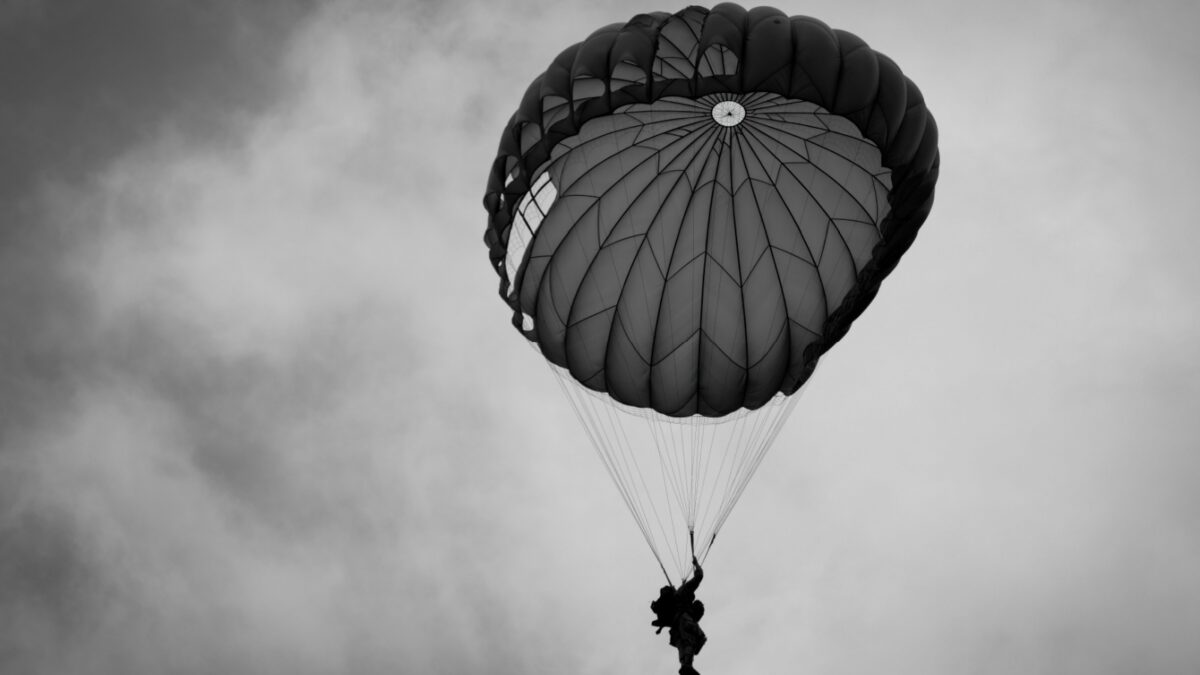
262 411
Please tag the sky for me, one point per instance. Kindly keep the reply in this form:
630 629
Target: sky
262 410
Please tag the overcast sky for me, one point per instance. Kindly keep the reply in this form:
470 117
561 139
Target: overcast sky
262 411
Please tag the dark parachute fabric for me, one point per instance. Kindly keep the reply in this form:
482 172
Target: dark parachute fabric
689 209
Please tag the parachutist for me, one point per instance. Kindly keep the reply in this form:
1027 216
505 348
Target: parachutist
680 611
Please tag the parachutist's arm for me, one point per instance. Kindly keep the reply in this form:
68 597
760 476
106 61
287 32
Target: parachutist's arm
694 582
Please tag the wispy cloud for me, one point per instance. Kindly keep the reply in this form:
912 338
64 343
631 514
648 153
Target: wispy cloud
262 411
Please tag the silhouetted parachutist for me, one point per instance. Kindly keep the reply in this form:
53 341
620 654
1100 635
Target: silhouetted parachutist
679 611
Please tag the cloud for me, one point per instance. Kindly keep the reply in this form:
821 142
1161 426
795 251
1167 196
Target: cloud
252 423
262 411
199 386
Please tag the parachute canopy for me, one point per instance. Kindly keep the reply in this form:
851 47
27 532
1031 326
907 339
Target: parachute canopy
687 210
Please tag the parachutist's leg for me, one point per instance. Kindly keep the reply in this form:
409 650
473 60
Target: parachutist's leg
685 661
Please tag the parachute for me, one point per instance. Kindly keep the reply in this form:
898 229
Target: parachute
686 212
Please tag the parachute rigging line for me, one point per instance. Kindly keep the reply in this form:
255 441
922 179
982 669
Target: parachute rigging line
697 472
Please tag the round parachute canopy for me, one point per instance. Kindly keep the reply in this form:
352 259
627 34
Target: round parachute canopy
687 210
